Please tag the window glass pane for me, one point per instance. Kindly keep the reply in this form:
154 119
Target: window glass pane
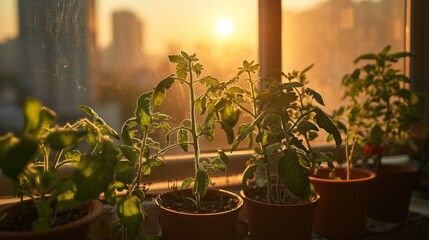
331 33
105 53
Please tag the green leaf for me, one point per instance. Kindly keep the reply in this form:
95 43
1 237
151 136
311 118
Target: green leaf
197 68
270 149
143 111
95 171
32 108
294 175
182 138
201 182
401 55
110 131
235 90
229 132
7 141
161 89
187 182
16 156
291 85
149 164
64 138
125 133
200 105
130 212
210 81
218 164
47 117
305 126
89 111
316 96
222 156
366 57
243 132
175 58
325 122
130 153
125 172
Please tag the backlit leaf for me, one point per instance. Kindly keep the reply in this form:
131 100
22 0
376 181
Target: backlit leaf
130 212
143 110
64 138
161 89
202 182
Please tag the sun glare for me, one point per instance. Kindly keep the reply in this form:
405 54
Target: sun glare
224 26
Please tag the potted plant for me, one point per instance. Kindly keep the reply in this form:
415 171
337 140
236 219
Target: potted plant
201 212
58 208
383 127
276 188
342 211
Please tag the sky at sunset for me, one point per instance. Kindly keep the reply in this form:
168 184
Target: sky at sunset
169 20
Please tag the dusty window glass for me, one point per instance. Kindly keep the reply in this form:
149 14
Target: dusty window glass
331 33
105 53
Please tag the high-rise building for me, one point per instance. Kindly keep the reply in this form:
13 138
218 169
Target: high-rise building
57 51
124 55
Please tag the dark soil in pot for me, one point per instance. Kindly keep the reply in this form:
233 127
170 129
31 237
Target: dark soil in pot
26 213
78 227
218 220
213 202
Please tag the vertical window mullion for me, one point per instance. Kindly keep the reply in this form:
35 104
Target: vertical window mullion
270 40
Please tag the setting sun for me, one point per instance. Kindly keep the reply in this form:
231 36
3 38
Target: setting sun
224 26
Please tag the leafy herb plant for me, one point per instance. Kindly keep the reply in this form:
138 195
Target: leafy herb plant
204 100
284 122
381 106
139 154
33 159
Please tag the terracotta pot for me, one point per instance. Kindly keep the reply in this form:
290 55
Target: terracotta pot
71 231
207 226
342 210
393 186
271 221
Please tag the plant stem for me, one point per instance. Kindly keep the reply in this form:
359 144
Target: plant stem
195 142
136 181
57 159
270 196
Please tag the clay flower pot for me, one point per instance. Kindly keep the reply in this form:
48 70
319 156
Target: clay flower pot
206 226
390 200
342 210
272 221
79 229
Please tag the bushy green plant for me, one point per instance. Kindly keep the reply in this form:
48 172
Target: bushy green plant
139 153
381 107
284 122
33 159
204 100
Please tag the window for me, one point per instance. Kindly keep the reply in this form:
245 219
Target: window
105 53
331 33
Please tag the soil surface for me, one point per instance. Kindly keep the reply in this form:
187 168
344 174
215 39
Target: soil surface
260 194
21 220
213 202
